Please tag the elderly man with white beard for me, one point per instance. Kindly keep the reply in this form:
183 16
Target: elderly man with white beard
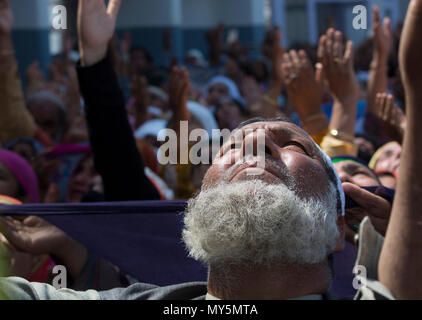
265 234
270 234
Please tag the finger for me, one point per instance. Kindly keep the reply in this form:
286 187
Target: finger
390 107
295 61
113 8
4 4
388 29
319 74
287 66
355 216
329 45
381 105
321 50
376 17
305 63
338 45
373 204
349 54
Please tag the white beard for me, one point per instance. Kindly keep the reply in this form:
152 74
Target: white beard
255 223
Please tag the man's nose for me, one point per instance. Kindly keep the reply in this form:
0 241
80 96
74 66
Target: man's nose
259 143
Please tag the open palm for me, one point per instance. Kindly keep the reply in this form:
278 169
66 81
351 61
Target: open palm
32 235
96 24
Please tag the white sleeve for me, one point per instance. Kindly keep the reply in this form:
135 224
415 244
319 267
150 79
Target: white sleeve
14 288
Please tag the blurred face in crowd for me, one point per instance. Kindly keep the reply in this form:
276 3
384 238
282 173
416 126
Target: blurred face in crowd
217 92
365 147
353 172
287 213
259 71
228 114
388 180
138 62
81 180
78 131
25 150
232 69
9 185
47 116
156 101
389 160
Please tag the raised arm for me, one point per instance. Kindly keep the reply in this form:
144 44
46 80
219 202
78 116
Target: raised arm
383 38
115 153
400 265
268 106
305 90
337 60
15 120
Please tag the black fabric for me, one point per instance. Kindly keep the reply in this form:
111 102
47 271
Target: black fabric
116 156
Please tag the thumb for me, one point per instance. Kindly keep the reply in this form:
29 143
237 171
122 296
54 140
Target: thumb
113 8
319 74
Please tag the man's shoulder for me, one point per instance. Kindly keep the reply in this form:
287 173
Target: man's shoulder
142 291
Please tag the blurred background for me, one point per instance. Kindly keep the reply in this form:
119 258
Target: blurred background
173 27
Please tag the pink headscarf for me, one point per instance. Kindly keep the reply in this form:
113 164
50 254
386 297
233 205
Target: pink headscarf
23 173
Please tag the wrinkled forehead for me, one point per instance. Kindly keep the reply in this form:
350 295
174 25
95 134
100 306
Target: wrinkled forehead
278 130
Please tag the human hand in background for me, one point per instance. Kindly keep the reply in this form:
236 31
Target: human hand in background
393 117
6 18
338 62
34 235
383 34
370 205
305 87
96 24
178 87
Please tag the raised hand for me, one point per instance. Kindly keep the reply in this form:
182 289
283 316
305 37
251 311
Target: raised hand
96 24
383 34
6 18
400 263
392 116
370 205
411 48
277 51
305 87
139 87
33 235
179 85
338 60
178 90
34 75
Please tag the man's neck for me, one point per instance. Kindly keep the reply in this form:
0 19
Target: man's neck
269 283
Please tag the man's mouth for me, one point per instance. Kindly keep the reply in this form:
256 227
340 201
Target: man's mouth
257 167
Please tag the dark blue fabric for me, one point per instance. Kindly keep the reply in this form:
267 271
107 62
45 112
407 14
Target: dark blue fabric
142 238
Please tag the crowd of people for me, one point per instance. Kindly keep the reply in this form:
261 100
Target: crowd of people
341 136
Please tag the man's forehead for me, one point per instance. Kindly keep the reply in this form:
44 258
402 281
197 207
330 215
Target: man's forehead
278 127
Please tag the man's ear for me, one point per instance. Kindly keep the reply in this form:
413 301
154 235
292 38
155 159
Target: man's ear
341 228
